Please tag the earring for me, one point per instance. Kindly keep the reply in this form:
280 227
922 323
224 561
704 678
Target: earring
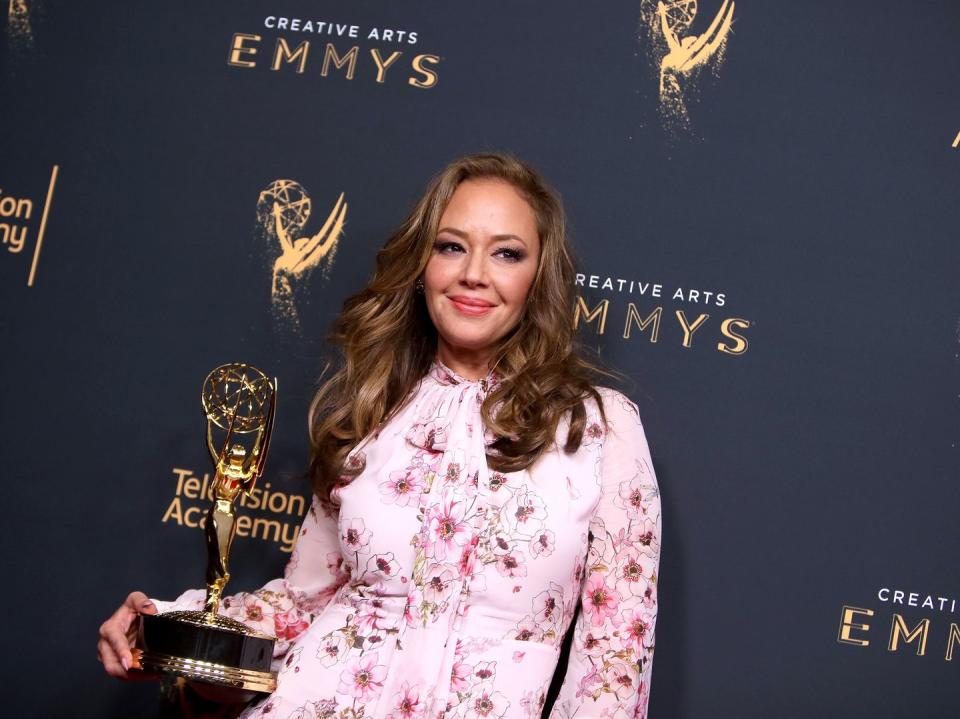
418 286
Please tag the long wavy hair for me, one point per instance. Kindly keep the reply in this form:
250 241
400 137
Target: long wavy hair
386 342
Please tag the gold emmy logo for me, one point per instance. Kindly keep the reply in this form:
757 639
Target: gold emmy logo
956 141
283 210
640 308
334 59
19 24
864 626
680 55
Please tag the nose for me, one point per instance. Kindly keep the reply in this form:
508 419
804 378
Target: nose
475 270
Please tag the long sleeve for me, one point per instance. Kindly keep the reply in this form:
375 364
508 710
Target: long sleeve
285 607
609 669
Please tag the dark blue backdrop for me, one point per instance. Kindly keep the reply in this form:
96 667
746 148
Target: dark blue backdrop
814 187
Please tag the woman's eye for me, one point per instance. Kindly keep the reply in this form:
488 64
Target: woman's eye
510 254
447 246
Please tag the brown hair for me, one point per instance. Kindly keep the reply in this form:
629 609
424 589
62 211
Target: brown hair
387 342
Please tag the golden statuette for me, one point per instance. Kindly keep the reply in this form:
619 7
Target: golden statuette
240 403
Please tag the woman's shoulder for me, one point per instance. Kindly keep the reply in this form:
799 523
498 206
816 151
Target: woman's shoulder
613 412
617 407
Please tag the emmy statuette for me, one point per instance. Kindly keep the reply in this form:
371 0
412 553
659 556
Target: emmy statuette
239 402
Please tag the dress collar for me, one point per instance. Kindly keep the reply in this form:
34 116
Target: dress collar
446 376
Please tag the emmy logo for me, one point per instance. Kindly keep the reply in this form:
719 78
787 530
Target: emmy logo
283 210
679 55
19 27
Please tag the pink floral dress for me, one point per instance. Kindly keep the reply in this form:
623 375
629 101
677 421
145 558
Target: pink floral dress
443 589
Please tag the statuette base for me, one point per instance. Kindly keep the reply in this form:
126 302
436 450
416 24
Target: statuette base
207 648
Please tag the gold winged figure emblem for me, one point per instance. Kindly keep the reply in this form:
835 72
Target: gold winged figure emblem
283 209
681 54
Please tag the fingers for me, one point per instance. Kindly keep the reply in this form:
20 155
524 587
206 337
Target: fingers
112 660
117 635
115 668
137 673
142 603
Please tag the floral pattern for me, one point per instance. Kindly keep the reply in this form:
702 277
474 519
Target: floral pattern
441 589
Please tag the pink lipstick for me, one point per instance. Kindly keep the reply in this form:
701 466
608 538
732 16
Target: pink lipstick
471 306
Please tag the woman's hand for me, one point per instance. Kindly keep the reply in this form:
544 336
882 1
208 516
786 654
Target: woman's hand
117 635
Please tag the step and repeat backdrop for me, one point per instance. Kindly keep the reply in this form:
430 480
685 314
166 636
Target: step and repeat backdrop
763 199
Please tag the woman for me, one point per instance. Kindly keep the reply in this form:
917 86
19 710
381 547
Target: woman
472 488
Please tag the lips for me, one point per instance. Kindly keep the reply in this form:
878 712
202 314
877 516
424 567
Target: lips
472 306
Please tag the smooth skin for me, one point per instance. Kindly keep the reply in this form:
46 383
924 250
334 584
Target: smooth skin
476 283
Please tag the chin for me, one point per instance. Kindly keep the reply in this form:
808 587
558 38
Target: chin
473 344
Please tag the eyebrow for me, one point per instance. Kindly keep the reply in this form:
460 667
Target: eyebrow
496 238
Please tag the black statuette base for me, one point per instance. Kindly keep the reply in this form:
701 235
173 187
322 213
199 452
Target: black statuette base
207 648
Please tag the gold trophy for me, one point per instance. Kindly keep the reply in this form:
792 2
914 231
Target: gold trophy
240 403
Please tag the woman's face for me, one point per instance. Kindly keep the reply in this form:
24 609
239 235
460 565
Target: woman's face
483 263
